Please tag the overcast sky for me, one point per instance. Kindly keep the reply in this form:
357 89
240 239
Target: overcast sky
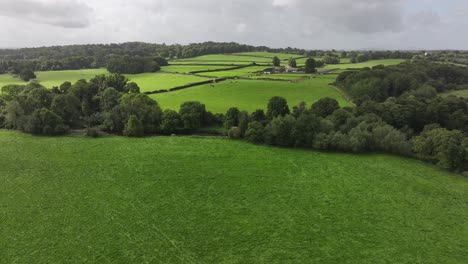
310 24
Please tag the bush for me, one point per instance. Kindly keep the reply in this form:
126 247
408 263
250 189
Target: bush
277 106
255 132
192 115
171 122
279 131
234 133
325 107
231 118
91 132
134 127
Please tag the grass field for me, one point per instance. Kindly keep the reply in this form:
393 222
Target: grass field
155 81
226 59
191 68
370 64
54 78
281 56
146 81
243 72
250 95
281 76
206 200
461 93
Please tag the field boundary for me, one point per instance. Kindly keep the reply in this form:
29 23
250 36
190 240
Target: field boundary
182 87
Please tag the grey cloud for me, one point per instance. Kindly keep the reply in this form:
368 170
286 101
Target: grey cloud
310 24
66 13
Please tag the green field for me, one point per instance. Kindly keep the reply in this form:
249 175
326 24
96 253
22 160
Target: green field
191 68
370 64
155 81
282 76
281 56
461 93
250 95
146 81
207 200
226 59
243 72
54 78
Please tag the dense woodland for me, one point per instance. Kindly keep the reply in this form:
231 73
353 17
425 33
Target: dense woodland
398 111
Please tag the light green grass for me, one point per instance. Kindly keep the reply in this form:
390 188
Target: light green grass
146 81
461 93
226 58
190 68
55 78
204 200
281 56
282 76
149 82
370 64
249 95
243 72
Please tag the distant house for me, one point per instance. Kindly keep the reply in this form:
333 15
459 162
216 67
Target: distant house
291 69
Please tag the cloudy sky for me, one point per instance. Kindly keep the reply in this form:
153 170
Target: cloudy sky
310 24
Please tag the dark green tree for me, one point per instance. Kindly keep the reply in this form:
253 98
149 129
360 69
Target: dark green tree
325 107
276 61
310 66
133 127
277 106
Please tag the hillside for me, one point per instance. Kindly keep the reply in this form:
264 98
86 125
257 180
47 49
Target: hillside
209 200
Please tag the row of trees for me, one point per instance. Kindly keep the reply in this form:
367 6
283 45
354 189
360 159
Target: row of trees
310 65
135 65
326 126
421 79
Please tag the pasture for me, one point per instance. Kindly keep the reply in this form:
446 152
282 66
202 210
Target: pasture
370 64
207 200
191 68
250 95
147 81
461 93
243 72
226 59
55 78
281 56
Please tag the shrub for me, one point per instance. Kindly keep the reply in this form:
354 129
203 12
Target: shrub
278 132
92 132
255 132
232 118
234 133
277 106
134 127
171 122
192 115
325 107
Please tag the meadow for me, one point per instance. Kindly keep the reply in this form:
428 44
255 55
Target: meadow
191 68
147 81
211 200
281 56
461 93
243 72
226 59
250 95
55 78
369 64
